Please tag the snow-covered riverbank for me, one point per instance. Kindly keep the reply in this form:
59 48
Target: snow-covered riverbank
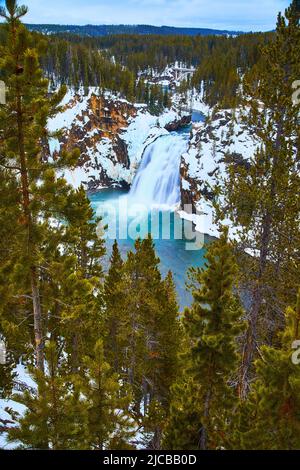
222 139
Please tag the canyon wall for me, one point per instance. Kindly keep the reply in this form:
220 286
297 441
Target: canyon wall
111 134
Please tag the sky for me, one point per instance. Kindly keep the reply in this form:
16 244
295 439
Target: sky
242 15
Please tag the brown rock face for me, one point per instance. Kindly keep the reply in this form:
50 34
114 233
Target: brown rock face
189 196
103 119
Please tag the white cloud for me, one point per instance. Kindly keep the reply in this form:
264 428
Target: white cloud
230 14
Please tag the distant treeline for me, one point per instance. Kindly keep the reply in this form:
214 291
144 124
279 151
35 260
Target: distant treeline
104 30
79 63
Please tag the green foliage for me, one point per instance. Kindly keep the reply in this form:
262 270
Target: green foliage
112 355
263 200
224 62
220 62
182 430
38 195
212 325
153 424
56 415
110 424
142 328
77 64
71 411
270 418
115 299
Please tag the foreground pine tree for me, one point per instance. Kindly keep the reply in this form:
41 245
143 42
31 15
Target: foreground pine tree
142 332
212 325
110 422
153 311
263 199
55 414
39 195
270 418
115 298
74 411
168 331
77 273
182 428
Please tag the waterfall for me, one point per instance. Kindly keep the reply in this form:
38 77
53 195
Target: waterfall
157 182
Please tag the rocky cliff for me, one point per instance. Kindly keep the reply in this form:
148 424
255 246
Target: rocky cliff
111 134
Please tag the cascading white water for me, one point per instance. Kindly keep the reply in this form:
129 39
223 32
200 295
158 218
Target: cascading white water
157 182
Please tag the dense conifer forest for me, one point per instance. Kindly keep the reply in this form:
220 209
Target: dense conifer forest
113 362
115 62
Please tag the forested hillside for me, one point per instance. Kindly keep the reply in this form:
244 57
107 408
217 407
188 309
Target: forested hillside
117 61
220 61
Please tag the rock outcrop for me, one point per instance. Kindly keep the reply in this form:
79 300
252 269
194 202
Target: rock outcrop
179 123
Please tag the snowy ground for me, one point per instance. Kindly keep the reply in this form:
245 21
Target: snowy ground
23 377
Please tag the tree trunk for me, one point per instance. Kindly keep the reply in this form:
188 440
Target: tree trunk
156 440
203 431
37 314
75 352
257 300
258 295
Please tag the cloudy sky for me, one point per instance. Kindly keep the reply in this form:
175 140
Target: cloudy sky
244 15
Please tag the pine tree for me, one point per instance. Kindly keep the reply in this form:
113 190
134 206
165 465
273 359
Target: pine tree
212 325
110 424
78 273
40 196
165 334
154 309
183 426
181 430
141 305
167 329
11 308
264 198
270 417
55 414
167 101
142 331
153 424
114 299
